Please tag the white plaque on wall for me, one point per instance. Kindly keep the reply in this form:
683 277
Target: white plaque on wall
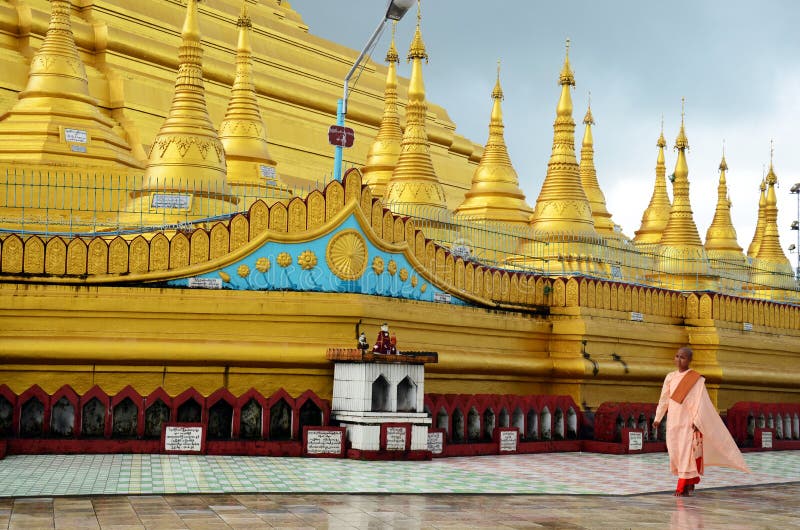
188 439
436 442
76 136
396 438
171 200
635 441
205 283
319 442
766 439
508 441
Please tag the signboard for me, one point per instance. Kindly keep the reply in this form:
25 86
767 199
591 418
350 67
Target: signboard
341 136
75 136
205 283
637 317
396 436
170 200
323 441
443 298
436 441
267 172
508 440
635 440
766 440
183 438
77 148
747 326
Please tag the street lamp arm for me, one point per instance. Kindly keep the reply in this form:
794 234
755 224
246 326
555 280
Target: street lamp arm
357 63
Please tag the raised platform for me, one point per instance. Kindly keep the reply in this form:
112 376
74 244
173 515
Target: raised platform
354 355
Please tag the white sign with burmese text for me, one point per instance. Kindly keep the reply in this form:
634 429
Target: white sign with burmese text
188 439
324 442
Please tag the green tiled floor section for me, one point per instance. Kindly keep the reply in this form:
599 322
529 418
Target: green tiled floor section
573 473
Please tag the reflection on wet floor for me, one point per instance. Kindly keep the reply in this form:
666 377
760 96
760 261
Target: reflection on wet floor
753 507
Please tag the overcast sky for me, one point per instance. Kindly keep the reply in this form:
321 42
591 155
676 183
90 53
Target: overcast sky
736 62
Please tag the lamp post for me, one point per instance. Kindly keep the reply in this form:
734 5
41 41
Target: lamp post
796 226
395 10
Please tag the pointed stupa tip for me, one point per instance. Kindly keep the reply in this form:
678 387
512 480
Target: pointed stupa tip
723 166
662 142
191 29
497 92
771 178
417 49
391 54
566 77
682 142
589 119
244 24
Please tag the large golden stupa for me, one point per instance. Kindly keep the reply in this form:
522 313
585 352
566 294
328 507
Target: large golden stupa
166 223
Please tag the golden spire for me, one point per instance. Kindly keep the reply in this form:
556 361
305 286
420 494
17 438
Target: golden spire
758 236
721 235
770 247
600 215
495 194
681 230
385 150
242 132
562 205
656 216
187 159
414 181
56 120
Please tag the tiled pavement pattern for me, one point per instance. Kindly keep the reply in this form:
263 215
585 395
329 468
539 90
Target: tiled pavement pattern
738 508
553 473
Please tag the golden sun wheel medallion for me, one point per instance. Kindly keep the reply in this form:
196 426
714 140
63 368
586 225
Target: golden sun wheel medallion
347 255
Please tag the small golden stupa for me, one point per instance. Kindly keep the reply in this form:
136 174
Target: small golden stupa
722 247
385 150
603 223
185 179
414 186
495 194
55 121
242 132
656 215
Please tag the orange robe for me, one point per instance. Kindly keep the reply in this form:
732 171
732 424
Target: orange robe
719 449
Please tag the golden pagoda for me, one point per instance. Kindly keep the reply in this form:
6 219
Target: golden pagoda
600 215
414 185
656 216
495 194
55 121
385 150
242 132
722 247
682 261
185 179
773 271
562 206
758 236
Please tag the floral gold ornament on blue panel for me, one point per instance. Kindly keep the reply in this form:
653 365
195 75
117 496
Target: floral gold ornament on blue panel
344 261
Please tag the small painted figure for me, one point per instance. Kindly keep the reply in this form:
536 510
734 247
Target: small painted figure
383 343
393 342
363 345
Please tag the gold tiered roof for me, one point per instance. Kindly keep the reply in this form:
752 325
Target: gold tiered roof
55 120
495 194
656 216
721 235
758 236
562 205
385 150
414 181
187 159
242 132
600 215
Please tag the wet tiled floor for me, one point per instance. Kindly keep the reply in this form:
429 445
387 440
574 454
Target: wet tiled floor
736 508
556 490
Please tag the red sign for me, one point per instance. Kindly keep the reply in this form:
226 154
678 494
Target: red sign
341 136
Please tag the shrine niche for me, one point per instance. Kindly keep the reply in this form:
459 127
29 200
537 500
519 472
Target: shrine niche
251 424
31 423
280 421
125 419
155 416
93 419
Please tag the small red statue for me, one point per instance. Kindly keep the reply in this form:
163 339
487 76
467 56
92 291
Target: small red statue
384 344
